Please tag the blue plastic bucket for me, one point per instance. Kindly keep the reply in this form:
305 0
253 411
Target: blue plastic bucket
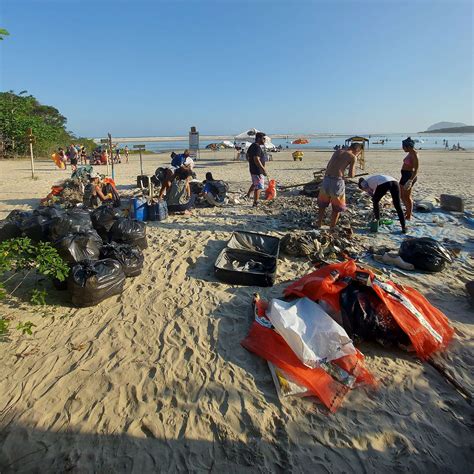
139 208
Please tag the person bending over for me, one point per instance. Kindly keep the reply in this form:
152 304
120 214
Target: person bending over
333 190
178 197
378 186
181 161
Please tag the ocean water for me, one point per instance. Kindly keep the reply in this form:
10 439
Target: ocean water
392 142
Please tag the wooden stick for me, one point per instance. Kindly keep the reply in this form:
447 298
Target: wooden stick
315 181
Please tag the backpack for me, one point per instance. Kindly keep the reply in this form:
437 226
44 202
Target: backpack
109 189
219 189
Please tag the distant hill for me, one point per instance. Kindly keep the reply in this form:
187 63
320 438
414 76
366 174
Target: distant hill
441 125
463 129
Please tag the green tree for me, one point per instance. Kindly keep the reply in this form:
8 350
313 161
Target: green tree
19 112
3 32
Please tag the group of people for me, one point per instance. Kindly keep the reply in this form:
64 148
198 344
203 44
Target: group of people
73 154
77 154
101 156
176 189
175 182
333 186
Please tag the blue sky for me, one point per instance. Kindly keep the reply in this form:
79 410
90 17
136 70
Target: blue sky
157 67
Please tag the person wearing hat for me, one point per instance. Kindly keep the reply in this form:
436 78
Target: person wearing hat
409 175
256 159
378 186
93 195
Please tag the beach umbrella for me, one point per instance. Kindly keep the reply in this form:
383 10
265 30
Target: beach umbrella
300 141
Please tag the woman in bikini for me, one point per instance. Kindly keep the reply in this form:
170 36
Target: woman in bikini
409 175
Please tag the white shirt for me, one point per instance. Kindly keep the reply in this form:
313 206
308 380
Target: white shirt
189 162
378 179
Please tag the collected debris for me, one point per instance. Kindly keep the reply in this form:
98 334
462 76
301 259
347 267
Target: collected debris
321 246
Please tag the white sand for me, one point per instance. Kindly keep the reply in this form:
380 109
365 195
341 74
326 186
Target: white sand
156 379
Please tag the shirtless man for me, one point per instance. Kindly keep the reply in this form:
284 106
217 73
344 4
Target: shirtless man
333 189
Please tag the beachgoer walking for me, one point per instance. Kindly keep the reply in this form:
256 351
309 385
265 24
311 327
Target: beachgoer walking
125 150
62 156
378 186
117 155
409 175
333 190
257 170
72 155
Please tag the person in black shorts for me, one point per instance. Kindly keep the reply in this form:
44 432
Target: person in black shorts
378 186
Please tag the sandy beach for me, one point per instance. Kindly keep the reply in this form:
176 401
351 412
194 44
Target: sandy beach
155 380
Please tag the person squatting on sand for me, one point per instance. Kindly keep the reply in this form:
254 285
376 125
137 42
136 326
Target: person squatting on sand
93 195
214 192
180 161
378 186
178 197
409 175
333 190
257 170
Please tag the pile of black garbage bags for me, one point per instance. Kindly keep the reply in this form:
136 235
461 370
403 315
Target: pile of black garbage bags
101 247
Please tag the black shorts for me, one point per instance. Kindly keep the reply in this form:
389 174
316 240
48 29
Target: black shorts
74 161
406 175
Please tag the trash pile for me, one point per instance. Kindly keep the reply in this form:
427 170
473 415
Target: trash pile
69 193
308 338
300 211
320 246
101 246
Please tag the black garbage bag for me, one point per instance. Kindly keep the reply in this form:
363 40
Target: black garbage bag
51 212
80 246
74 220
129 231
129 256
18 216
103 219
92 282
366 318
425 253
36 227
9 230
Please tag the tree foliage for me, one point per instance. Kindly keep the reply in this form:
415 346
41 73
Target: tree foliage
3 32
20 112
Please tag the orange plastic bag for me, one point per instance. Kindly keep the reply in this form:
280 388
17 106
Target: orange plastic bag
268 344
426 326
270 192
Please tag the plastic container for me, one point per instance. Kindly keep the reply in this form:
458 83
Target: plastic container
374 226
139 209
157 211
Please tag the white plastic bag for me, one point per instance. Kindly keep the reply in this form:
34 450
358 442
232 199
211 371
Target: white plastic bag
310 332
